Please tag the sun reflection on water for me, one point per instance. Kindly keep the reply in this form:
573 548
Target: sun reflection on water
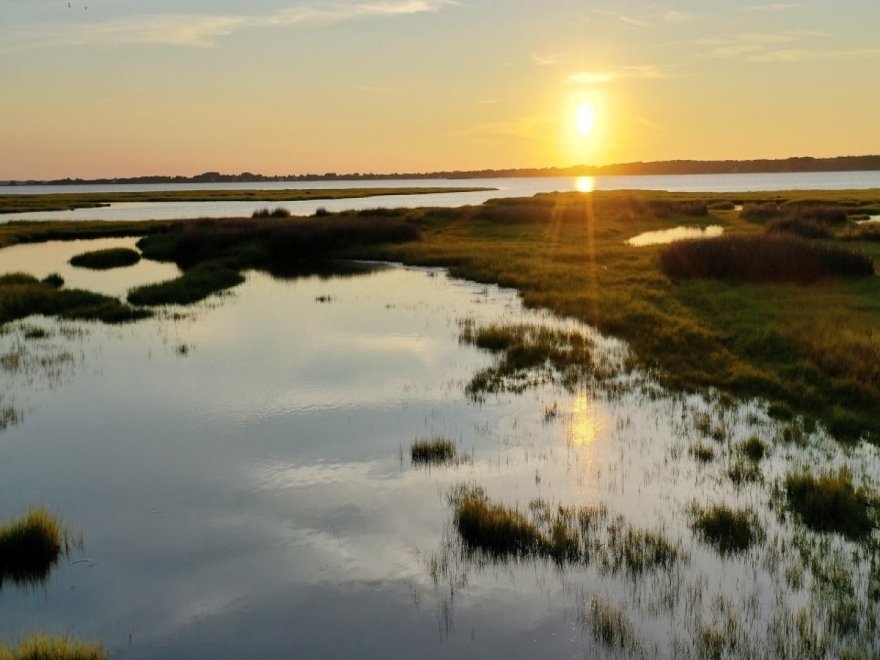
584 184
586 423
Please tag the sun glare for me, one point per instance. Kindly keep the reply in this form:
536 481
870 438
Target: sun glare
585 118
584 184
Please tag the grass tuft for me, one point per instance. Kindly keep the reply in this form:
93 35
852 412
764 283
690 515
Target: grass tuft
30 546
279 212
830 502
432 451
754 449
106 259
726 529
610 626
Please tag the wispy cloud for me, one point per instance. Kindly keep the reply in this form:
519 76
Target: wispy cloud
750 45
645 71
779 6
626 20
523 128
674 17
204 30
545 60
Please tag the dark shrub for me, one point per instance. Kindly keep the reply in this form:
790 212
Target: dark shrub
761 259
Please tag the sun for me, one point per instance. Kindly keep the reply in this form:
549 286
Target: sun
585 118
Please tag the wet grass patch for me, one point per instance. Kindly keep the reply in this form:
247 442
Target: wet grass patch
727 530
30 546
433 451
761 259
754 449
106 259
46 647
703 453
528 355
611 627
831 503
22 295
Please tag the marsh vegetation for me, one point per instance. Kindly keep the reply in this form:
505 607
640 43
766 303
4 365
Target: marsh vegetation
30 546
106 259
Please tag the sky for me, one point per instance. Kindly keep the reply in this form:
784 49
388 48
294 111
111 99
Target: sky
104 88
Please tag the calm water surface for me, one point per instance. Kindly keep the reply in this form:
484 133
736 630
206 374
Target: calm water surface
240 475
505 187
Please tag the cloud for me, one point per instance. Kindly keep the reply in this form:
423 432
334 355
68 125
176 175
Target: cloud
674 17
204 30
751 45
779 6
522 128
643 71
626 20
545 60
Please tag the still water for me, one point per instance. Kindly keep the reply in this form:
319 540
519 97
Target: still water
505 187
240 473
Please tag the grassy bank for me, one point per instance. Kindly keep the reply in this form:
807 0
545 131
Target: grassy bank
22 295
67 201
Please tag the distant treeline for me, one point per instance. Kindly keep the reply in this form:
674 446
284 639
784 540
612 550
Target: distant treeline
760 166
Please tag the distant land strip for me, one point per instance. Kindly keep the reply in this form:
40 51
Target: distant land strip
758 166
91 200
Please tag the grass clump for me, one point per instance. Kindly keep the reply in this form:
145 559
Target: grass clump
195 284
727 530
703 453
759 212
22 295
432 451
499 531
761 259
754 449
106 259
30 546
636 550
279 212
610 626
44 647
830 503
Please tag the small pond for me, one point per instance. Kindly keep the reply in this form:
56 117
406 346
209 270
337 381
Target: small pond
680 233
240 473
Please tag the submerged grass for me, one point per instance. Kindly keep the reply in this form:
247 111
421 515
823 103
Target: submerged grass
432 451
106 259
45 647
831 503
30 546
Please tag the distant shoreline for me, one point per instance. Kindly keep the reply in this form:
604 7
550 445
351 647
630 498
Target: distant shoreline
667 167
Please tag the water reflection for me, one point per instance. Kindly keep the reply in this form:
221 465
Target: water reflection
675 234
584 184
585 423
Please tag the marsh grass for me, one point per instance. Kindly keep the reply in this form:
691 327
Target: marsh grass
563 535
279 212
759 212
106 259
703 453
831 503
727 530
23 295
610 626
754 448
433 451
45 647
194 285
9 416
30 546
799 227
761 259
